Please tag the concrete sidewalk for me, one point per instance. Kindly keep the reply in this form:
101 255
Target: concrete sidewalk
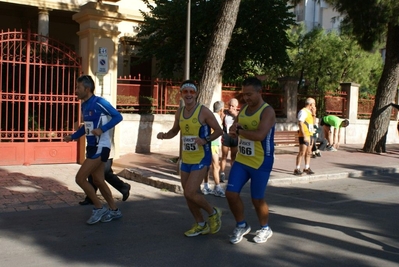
53 186
158 169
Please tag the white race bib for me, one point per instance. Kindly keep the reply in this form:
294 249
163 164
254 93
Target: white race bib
89 127
189 143
246 147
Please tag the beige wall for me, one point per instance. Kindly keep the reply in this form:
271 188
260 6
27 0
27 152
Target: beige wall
326 20
52 4
129 6
138 133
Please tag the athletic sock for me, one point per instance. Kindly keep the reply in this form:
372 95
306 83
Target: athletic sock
265 226
214 212
242 224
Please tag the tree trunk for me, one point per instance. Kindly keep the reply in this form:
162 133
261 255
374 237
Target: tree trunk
386 92
217 50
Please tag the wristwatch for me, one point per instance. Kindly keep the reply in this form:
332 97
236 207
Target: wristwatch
239 128
208 138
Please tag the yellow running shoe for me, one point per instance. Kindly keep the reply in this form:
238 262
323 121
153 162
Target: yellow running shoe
197 230
215 221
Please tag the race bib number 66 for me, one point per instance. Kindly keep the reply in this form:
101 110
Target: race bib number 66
246 147
189 143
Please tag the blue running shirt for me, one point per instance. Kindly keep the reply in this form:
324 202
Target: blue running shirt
98 113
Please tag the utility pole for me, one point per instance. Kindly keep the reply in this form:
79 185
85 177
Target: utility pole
186 70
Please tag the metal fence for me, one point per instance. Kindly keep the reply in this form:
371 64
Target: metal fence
144 95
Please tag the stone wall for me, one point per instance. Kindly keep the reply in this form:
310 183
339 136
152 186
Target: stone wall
138 133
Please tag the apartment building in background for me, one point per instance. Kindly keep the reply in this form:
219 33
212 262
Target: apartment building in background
315 13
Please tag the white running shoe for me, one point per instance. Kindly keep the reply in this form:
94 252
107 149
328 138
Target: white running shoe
263 235
96 215
112 214
238 234
207 191
218 192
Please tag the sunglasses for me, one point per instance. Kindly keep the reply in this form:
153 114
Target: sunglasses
191 92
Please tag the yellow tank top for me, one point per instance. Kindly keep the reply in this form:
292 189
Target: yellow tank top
308 124
191 128
253 153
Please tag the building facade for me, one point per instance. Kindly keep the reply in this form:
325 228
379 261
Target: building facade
46 45
315 13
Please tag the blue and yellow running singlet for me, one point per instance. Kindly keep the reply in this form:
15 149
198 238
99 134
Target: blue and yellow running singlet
191 128
253 153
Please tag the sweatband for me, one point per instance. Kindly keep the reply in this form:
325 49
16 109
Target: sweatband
188 85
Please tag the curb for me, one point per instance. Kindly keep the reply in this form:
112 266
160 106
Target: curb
145 176
164 181
333 176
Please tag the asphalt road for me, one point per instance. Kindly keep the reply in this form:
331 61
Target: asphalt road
344 222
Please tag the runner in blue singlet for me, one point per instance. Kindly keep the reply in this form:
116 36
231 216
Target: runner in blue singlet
98 116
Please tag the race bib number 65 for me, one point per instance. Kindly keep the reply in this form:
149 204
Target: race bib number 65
189 143
246 147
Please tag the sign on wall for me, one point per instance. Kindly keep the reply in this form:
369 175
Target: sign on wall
102 66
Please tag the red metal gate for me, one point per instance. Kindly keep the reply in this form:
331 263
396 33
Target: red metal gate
38 105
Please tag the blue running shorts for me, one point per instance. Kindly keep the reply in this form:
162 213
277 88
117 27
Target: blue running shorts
195 167
240 174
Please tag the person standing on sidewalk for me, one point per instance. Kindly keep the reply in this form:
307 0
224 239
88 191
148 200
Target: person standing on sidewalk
255 126
333 138
195 122
99 117
305 136
228 142
110 177
218 191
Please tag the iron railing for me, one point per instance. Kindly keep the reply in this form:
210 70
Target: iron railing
143 95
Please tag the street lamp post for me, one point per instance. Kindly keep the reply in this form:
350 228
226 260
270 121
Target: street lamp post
186 69
187 61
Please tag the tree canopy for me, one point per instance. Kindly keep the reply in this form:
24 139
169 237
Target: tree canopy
259 38
367 20
371 21
324 60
